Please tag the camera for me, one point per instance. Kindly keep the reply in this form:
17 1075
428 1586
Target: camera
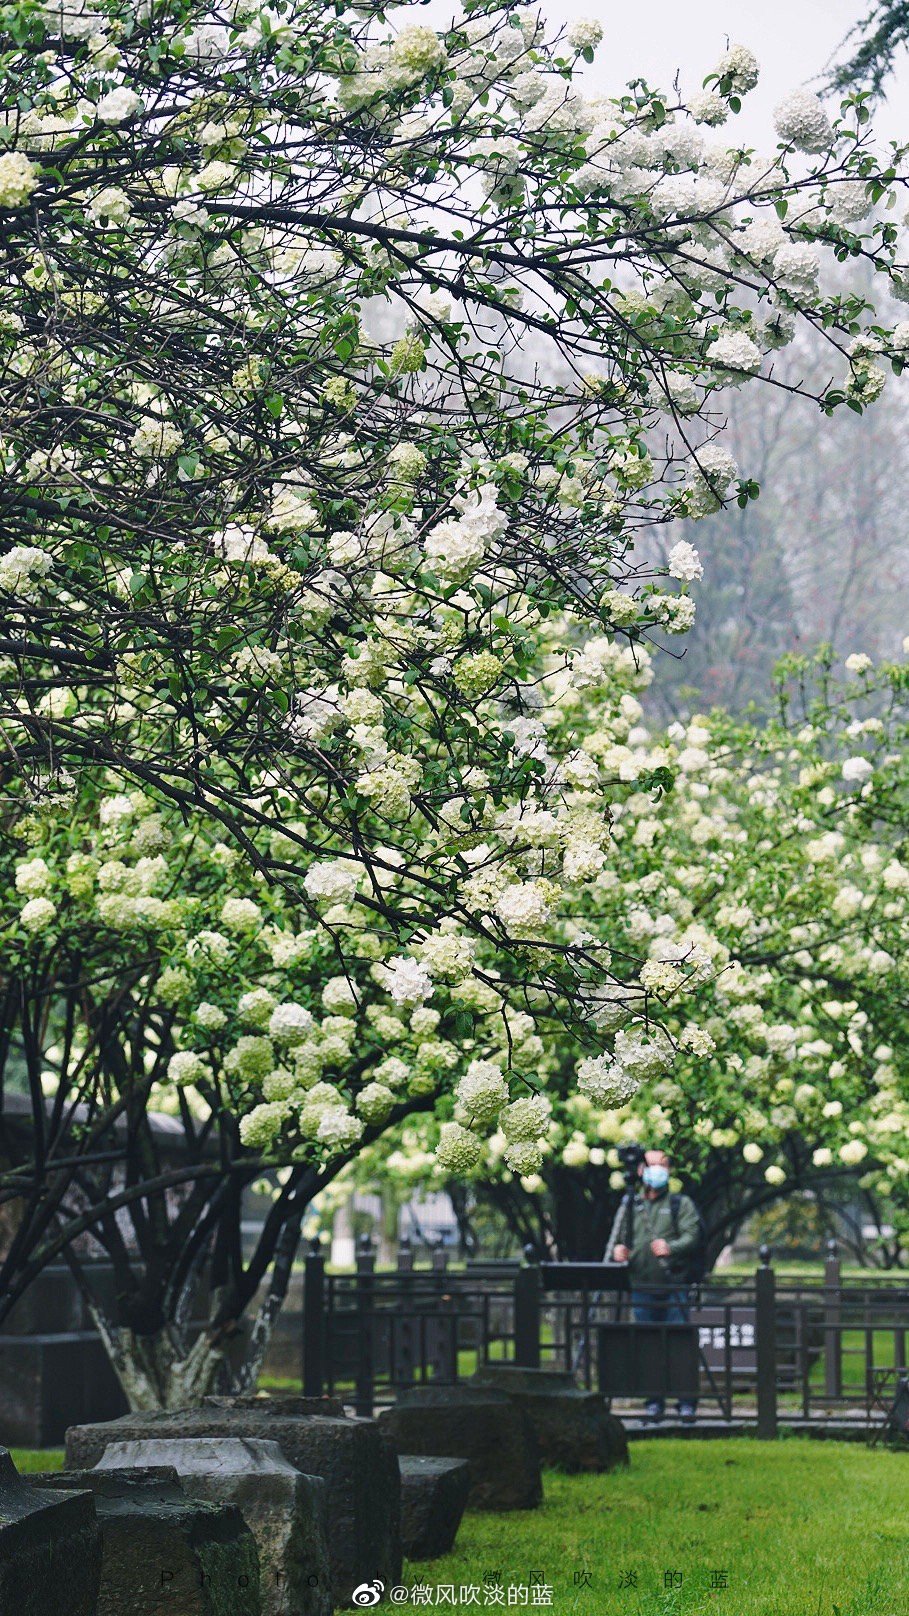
631 1157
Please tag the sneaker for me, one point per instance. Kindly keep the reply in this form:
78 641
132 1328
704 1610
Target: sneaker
687 1413
653 1411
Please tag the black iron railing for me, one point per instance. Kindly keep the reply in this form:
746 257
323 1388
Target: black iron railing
770 1350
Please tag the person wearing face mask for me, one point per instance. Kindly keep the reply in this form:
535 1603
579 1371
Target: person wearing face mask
657 1235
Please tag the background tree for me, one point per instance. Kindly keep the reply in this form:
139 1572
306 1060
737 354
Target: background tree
818 559
872 48
774 876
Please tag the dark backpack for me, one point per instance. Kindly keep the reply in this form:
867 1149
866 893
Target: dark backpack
695 1261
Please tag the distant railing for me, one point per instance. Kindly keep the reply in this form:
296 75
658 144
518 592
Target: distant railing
770 1350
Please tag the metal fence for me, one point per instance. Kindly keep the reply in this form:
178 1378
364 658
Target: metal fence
769 1351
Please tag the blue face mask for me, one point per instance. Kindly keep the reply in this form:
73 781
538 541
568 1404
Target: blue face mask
656 1178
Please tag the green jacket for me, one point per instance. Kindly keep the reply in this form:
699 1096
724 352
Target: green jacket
653 1221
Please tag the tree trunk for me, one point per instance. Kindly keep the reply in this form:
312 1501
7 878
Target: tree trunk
154 1373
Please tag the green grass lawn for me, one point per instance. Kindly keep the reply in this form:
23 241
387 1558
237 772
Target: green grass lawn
28 1460
788 1528
798 1528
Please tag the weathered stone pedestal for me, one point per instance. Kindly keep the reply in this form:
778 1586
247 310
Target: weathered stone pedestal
284 1510
477 1424
574 1429
433 1499
354 1458
50 1548
164 1554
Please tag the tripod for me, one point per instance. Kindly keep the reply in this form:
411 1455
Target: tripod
595 1299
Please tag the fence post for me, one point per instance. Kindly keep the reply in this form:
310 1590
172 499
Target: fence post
765 1344
527 1293
314 1320
833 1338
439 1259
405 1255
364 1378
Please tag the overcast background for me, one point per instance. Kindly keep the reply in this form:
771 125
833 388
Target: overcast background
823 555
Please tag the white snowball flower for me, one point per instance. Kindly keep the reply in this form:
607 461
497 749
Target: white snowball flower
240 914
853 1152
684 563
526 1118
334 880
740 65
458 1149
33 877
711 471
185 1067
207 43
210 1016
407 980
752 1153
856 769
18 178
796 268
858 662
734 352
37 914
603 1081
523 909
584 34
801 121
109 207
23 567
290 1023
118 105
338 1129
262 1124
481 1093
775 1175
523 1157
822 1157
707 108
374 1102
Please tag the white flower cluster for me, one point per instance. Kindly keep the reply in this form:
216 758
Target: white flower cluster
603 1081
684 563
23 570
18 178
711 472
407 981
332 881
801 121
457 546
734 355
481 1093
584 34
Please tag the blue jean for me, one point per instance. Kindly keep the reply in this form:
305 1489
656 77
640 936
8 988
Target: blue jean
661 1307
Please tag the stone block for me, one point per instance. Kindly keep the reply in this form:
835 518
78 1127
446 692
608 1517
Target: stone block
480 1425
283 1508
48 1382
50 1548
574 1429
433 1499
166 1554
354 1457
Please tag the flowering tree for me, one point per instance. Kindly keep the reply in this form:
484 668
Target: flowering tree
293 574
149 968
751 1016
338 599
773 878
